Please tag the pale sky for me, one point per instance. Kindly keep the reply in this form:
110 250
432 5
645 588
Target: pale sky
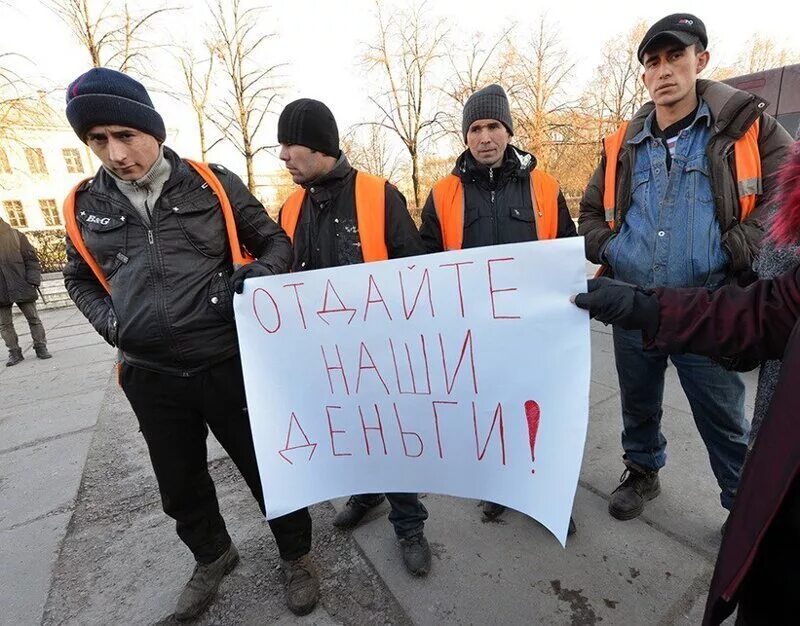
322 42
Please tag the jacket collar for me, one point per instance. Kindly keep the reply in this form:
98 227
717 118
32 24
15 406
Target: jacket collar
334 177
105 183
732 110
516 163
702 114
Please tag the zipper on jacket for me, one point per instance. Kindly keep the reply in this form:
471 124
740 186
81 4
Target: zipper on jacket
495 227
150 236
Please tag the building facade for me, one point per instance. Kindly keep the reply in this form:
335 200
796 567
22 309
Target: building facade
40 160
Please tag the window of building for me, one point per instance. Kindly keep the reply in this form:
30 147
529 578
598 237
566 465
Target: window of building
50 212
36 162
5 166
16 216
73 160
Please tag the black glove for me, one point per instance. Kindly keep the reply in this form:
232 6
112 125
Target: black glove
626 306
251 270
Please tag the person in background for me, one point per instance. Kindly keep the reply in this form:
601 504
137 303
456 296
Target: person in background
20 275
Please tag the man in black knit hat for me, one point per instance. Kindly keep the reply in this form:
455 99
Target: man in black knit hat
340 216
156 234
494 195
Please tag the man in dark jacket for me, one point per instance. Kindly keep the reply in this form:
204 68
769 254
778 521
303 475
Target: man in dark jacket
332 225
497 197
20 275
496 204
677 218
157 233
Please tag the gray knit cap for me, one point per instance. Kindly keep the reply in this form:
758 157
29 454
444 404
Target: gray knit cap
489 103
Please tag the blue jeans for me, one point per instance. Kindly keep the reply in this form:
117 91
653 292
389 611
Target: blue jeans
715 395
408 514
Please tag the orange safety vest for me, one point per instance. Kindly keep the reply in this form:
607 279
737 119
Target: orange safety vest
748 171
370 215
239 254
448 201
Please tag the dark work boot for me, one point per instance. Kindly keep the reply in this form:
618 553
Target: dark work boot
572 529
637 486
14 357
203 585
416 554
42 353
491 511
302 585
355 510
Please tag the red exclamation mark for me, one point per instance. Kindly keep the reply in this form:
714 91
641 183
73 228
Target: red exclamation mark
532 414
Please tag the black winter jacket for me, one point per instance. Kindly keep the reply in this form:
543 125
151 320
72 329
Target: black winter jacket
20 272
497 204
171 307
327 229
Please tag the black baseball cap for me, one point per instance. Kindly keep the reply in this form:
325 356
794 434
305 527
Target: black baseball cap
683 27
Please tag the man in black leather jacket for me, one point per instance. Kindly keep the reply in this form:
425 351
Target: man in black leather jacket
157 233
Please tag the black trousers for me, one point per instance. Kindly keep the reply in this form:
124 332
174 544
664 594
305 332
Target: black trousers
175 414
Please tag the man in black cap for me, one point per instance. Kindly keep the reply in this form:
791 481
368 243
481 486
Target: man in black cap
341 216
494 195
679 200
161 294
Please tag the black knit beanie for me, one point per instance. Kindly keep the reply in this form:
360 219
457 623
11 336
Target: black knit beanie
489 103
311 124
104 96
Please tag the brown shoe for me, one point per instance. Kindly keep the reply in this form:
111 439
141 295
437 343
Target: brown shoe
202 586
637 486
14 357
355 510
302 585
416 554
492 510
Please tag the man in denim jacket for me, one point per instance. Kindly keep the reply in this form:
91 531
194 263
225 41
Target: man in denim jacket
677 222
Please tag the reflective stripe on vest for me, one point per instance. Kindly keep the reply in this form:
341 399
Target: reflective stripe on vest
370 215
747 159
239 255
448 200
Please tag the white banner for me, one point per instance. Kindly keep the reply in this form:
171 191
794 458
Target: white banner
463 373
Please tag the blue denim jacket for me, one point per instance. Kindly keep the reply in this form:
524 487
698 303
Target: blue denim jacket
670 236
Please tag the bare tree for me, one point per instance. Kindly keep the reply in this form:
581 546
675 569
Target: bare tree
197 79
762 53
407 47
252 83
19 101
368 149
536 81
618 90
111 38
472 68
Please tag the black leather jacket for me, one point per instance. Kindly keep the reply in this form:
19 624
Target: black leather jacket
171 308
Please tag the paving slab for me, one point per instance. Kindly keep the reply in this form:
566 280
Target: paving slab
34 421
513 571
47 413
41 479
28 554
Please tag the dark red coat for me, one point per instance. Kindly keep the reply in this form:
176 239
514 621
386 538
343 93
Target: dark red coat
759 322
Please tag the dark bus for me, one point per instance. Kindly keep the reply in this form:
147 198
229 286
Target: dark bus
781 88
